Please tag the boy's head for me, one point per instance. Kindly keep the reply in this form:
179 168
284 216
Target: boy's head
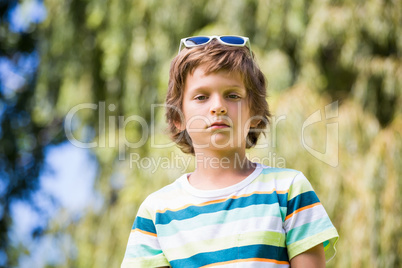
215 57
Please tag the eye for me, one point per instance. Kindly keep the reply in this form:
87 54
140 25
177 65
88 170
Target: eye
200 97
233 96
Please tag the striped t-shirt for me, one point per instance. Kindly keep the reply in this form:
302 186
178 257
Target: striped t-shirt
262 221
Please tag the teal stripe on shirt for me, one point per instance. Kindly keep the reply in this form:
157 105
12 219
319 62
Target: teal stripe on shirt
220 217
135 251
308 230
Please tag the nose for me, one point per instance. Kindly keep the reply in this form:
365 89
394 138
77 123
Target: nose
218 106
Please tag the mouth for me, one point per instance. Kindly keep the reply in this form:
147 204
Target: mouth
218 125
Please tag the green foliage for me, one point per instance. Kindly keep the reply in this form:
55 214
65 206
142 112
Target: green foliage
312 52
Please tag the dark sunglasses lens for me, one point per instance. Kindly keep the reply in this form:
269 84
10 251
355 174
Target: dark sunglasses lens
198 40
234 40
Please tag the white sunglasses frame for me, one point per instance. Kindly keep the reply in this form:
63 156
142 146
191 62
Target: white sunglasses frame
218 38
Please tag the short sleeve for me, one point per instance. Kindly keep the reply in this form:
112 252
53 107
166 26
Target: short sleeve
307 223
143 249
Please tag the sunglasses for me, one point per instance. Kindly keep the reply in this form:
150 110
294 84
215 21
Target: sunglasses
229 40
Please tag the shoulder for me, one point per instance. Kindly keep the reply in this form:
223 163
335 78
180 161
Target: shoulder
279 171
281 174
164 192
166 195
284 179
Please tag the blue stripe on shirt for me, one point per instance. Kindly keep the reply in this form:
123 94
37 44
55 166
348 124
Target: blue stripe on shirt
235 253
302 200
192 211
144 224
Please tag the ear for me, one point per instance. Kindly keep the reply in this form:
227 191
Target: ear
254 123
181 126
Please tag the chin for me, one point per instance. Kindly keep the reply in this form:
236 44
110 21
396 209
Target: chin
221 142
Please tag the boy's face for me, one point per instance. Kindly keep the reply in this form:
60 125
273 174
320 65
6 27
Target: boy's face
215 109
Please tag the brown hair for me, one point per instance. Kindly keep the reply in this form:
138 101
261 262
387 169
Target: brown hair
215 57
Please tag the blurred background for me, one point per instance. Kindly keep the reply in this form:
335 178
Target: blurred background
82 123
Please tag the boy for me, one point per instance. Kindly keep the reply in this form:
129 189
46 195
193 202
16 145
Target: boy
229 212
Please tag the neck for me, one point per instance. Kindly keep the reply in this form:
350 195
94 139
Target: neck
220 169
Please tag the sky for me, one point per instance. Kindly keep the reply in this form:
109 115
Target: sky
15 72
68 177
